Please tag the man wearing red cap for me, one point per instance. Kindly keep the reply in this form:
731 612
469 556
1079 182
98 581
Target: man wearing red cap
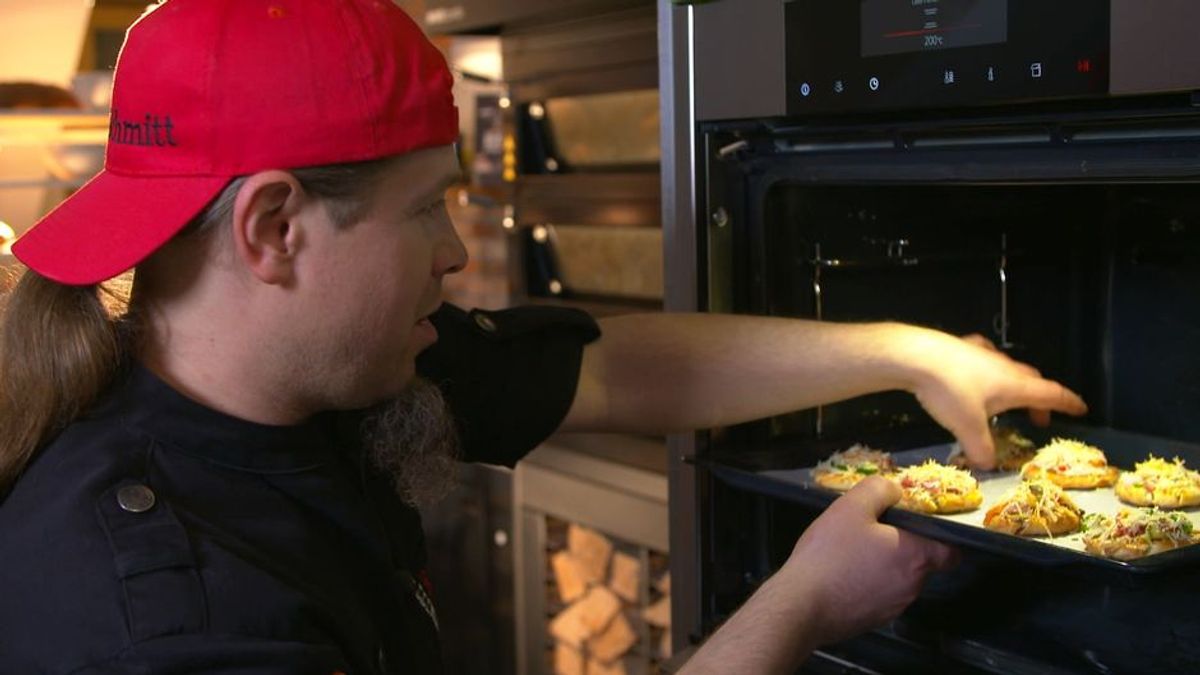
218 475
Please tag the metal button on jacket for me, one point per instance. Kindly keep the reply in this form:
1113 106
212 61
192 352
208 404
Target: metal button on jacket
135 498
485 322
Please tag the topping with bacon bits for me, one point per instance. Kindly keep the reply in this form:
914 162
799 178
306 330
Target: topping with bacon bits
937 488
843 470
1071 464
1034 509
1157 482
1135 533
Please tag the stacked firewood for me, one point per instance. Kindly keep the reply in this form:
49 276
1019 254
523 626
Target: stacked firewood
602 589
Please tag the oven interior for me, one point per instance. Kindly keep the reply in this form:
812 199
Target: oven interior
1097 285
1083 260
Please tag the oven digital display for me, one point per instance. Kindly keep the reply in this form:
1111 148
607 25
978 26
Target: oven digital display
903 26
844 55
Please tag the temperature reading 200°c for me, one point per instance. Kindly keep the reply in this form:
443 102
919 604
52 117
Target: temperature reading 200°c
899 26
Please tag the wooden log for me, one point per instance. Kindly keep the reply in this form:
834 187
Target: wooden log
592 550
597 609
614 641
664 584
659 613
569 576
568 626
627 666
626 579
567 660
664 645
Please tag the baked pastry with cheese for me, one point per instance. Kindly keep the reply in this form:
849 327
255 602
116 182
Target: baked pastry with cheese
1012 450
1157 482
937 488
1136 533
1071 464
843 470
1034 509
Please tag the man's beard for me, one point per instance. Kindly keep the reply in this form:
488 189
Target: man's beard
412 439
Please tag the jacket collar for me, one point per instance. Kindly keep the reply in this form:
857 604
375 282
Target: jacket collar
148 404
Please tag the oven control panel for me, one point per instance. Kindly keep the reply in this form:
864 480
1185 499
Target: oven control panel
863 55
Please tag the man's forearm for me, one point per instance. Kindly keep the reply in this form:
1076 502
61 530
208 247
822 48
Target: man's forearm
658 373
772 633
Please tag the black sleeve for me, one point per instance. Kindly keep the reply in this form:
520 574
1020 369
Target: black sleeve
195 653
509 376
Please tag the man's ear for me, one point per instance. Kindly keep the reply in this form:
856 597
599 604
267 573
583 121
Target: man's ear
265 232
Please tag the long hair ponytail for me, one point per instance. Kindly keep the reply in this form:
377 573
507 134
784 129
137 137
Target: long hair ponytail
60 349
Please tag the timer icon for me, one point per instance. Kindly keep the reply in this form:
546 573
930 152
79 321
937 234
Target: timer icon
873 83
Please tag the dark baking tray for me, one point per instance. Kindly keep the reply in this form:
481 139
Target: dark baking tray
1123 450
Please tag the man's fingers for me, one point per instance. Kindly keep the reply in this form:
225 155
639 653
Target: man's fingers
933 555
873 496
1040 418
980 341
1027 369
975 438
1049 395
943 557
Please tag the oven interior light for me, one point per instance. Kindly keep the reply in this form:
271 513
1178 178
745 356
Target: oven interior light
536 110
556 287
505 102
541 234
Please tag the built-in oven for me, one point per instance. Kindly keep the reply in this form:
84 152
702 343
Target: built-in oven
1019 169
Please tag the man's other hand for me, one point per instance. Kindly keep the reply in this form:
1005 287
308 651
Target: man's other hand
856 572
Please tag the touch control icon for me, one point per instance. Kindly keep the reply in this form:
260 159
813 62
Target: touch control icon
1035 69
873 83
805 89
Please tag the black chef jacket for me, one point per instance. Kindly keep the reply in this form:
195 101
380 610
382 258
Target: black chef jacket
156 535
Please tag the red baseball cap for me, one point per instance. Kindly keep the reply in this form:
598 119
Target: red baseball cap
208 90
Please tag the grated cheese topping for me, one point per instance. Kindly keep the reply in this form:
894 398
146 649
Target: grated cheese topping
935 479
1157 474
859 458
1034 498
1070 458
1149 524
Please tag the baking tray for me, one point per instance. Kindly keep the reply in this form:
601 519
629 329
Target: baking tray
1123 450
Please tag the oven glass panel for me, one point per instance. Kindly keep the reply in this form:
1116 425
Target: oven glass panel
1096 285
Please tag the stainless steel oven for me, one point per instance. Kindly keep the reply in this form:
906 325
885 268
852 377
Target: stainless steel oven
1021 169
